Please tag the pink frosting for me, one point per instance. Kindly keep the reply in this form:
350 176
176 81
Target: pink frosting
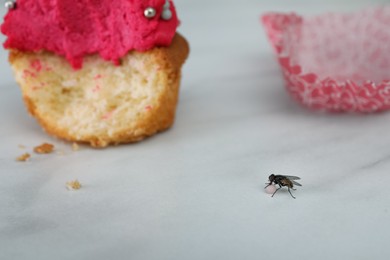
76 28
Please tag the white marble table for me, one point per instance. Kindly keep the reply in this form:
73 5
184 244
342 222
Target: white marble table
196 191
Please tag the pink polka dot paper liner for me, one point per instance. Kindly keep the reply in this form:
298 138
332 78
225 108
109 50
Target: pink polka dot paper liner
335 62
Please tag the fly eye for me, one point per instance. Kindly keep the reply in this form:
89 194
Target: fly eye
150 12
166 13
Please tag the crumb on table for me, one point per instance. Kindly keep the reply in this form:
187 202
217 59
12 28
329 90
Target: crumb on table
73 185
44 148
24 157
75 147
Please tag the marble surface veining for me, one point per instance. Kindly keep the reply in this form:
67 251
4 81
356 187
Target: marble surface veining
196 191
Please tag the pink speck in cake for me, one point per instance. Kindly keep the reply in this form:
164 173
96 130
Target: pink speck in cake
36 65
148 108
98 76
97 88
41 85
27 74
108 115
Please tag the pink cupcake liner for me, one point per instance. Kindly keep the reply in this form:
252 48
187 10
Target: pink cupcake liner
335 62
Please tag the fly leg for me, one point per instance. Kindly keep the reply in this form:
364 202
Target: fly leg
280 186
290 192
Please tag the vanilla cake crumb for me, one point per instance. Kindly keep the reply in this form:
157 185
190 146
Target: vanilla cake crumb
23 157
73 185
44 148
75 147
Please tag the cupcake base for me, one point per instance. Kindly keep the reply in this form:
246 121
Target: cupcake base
102 104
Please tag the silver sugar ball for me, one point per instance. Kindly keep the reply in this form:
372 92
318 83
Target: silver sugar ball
10 5
166 15
150 12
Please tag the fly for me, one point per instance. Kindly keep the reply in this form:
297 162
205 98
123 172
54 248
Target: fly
283 181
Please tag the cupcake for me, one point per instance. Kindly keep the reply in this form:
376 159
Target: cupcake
98 71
